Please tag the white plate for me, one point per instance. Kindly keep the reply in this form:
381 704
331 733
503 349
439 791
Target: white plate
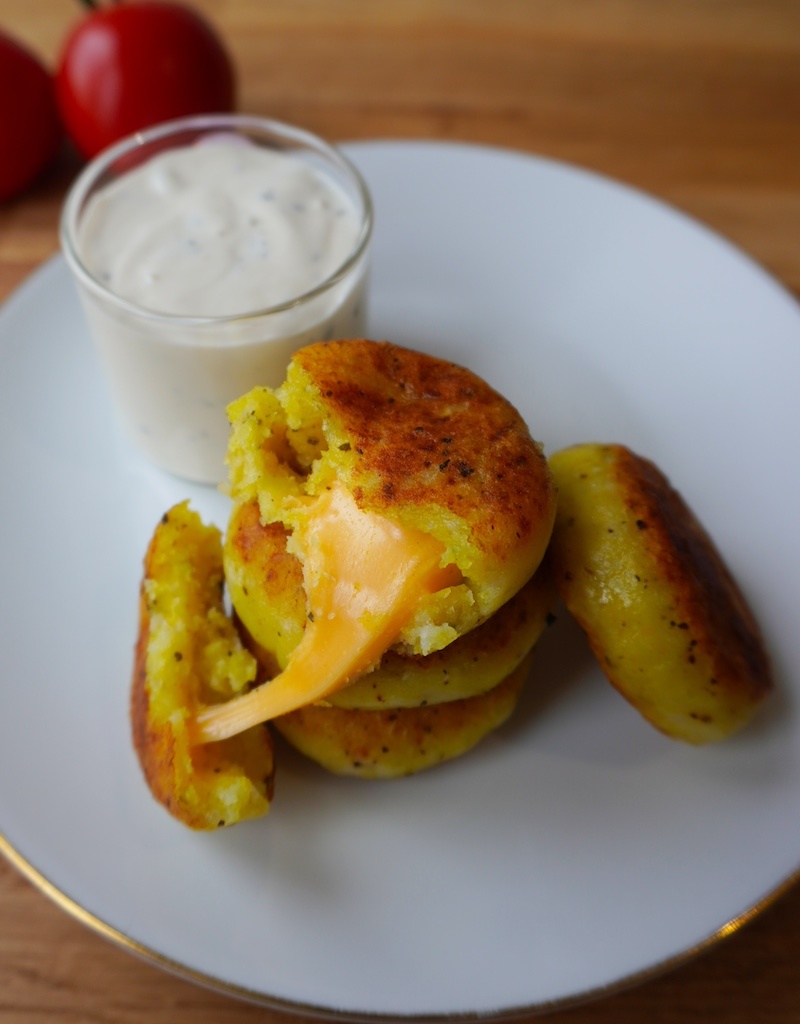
574 851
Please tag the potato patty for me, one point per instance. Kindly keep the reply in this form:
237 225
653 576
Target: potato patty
265 582
662 612
390 744
188 652
415 439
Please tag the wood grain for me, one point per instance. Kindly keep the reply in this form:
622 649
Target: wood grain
695 101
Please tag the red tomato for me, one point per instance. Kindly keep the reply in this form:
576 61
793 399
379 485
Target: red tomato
132 65
29 128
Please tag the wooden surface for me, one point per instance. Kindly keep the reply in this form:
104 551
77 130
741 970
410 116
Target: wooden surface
697 101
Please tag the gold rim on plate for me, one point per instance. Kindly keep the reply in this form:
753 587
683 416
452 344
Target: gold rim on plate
241 992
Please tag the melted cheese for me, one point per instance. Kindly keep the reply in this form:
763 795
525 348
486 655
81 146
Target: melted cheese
363 576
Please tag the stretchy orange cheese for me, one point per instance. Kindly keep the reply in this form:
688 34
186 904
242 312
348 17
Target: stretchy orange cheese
363 575
261 567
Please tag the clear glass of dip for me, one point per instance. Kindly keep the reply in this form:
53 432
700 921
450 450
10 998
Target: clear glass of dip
172 373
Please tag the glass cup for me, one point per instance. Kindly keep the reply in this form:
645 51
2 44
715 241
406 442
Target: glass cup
171 376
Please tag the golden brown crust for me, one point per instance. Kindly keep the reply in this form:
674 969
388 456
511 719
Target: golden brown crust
429 431
669 625
155 747
390 744
709 604
265 583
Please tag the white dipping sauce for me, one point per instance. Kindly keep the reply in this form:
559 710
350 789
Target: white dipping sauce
219 229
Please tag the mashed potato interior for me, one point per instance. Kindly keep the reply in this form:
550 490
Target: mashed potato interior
363 576
284 451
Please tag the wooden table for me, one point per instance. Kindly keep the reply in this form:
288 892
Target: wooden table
697 101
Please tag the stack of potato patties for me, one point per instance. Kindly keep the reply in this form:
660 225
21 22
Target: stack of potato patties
370 457
383 558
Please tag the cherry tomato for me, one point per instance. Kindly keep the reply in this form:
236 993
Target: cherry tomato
132 65
29 126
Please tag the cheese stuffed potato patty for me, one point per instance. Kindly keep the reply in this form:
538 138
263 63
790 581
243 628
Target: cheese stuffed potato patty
417 440
265 582
668 623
